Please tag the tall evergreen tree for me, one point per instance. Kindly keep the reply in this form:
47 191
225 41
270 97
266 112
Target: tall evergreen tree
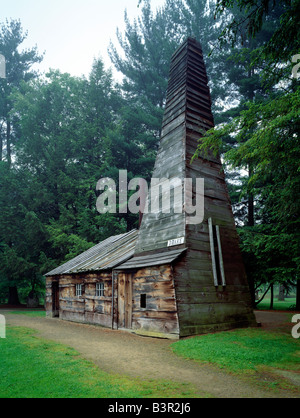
18 67
147 46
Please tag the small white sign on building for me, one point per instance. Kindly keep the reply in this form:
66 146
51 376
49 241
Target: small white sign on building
176 241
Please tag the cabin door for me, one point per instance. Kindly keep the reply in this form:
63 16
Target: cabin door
55 299
124 300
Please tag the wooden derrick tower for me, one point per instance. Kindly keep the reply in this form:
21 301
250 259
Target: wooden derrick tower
211 286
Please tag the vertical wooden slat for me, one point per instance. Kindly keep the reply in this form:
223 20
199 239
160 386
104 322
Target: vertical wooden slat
114 274
121 300
212 250
221 256
128 304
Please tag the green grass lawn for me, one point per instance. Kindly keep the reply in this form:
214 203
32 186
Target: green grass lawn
39 314
246 352
32 367
285 305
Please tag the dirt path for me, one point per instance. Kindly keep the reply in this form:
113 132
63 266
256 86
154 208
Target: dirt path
123 353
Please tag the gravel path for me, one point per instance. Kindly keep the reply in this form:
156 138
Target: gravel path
119 352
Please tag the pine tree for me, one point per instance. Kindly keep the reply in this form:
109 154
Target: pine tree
18 67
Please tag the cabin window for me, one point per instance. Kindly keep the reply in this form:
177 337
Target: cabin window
79 290
216 254
100 289
143 301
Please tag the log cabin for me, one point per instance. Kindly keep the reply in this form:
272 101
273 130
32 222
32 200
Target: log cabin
173 277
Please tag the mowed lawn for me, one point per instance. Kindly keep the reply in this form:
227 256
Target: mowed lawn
251 353
243 349
31 367
278 305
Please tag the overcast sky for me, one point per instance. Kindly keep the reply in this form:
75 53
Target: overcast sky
71 32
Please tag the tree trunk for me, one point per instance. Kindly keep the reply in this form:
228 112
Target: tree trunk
250 201
281 293
272 297
252 292
13 298
32 300
298 295
262 298
1 146
8 145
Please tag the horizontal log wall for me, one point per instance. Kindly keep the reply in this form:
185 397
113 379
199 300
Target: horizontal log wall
48 296
160 315
87 308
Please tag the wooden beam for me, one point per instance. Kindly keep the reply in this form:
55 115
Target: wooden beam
220 256
212 251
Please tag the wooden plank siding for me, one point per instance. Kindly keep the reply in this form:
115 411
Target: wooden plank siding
87 308
159 317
